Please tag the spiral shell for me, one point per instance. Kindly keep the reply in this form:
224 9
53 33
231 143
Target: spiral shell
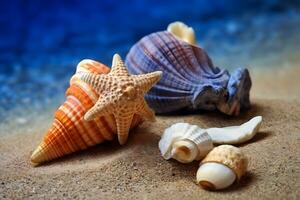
70 132
190 80
221 167
185 143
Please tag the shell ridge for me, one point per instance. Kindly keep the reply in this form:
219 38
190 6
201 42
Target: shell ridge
70 143
185 73
203 61
133 70
63 129
62 117
193 66
188 53
148 51
198 51
157 42
164 90
200 61
91 127
166 36
83 86
169 84
190 131
73 118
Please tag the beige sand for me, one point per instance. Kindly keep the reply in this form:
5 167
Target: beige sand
137 171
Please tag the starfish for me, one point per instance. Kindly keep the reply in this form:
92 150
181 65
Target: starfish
121 94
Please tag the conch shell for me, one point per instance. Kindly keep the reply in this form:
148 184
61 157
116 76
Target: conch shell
190 81
221 167
69 131
185 143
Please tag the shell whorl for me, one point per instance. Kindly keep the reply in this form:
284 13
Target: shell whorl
69 131
190 80
184 151
185 143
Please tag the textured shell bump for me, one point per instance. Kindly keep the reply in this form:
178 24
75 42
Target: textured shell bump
229 156
190 81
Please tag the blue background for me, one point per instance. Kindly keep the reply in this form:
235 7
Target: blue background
42 41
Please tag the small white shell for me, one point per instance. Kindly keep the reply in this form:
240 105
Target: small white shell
183 32
215 176
221 167
185 143
235 134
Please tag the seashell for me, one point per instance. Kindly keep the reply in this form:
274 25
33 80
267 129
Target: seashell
69 131
182 31
185 143
235 134
221 167
190 81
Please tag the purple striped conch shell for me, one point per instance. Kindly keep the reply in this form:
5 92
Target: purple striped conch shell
190 81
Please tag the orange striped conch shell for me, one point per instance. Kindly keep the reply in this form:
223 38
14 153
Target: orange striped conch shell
70 132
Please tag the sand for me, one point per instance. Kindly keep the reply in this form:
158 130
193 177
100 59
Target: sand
137 171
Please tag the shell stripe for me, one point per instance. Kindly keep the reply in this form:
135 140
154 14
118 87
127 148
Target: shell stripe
75 114
60 115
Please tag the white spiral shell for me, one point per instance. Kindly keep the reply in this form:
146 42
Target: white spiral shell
185 143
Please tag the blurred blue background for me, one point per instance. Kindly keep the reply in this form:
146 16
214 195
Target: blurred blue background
42 41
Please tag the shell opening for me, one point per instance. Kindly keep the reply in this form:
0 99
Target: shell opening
207 185
184 151
215 176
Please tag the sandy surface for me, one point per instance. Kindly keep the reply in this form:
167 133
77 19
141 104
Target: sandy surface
137 171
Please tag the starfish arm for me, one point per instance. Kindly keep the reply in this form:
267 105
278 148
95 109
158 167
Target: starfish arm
101 108
146 81
97 81
123 126
146 112
118 68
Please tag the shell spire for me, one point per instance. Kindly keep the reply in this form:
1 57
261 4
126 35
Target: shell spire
69 132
